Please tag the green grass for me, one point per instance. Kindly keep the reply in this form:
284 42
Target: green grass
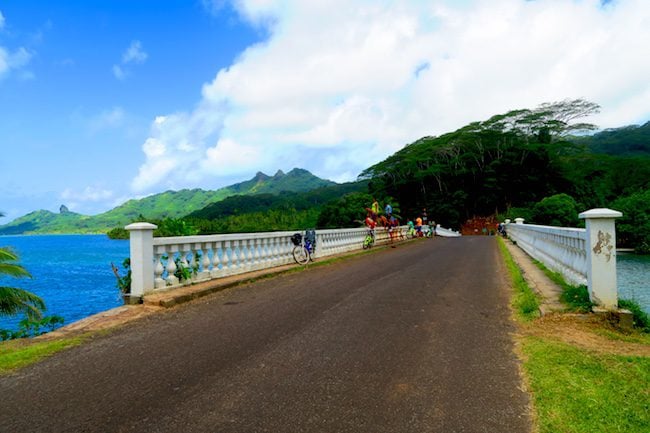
578 391
16 354
525 302
576 298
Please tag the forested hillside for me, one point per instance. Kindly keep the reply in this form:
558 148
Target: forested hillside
630 140
520 163
268 212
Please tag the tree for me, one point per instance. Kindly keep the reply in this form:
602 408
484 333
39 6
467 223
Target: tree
559 210
14 300
633 228
348 211
511 159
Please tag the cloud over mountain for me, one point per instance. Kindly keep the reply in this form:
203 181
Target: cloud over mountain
339 85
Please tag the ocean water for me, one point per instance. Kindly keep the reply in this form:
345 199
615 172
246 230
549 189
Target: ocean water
72 273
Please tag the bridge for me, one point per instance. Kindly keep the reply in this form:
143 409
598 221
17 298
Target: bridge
582 256
412 338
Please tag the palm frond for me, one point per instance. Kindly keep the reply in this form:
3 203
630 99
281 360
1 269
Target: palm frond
14 301
13 270
7 255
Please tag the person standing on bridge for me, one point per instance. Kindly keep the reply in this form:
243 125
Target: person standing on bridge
375 209
388 210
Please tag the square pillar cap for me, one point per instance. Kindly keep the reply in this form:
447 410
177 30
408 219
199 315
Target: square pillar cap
141 226
600 213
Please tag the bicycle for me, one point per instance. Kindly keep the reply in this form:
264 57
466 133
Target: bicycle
304 247
369 240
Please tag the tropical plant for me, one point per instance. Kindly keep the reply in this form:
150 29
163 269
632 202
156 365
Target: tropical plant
123 281
14 300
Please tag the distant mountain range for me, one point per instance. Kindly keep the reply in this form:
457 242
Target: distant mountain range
632 140
169 204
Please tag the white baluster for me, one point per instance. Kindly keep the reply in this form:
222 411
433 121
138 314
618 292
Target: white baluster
186 249
243 256
225 258
216 250
259 254
158 267
172 280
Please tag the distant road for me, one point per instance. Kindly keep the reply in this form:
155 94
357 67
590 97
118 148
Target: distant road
410 339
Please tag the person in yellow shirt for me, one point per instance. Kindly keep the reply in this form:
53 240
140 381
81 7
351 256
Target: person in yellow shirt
375 209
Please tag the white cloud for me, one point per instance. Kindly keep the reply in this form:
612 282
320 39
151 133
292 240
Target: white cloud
13 60
118 72
339 85
88 194
134 54
108 119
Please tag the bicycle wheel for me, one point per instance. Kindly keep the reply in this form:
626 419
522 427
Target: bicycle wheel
300 254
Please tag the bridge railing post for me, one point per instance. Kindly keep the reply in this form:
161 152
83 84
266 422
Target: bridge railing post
601 256
141 253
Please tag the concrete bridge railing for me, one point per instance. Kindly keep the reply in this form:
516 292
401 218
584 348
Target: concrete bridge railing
583 256
155 262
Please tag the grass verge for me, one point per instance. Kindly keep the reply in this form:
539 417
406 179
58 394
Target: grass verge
576 298
577 391
15 354
525 302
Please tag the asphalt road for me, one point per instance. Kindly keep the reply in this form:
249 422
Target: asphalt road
410 339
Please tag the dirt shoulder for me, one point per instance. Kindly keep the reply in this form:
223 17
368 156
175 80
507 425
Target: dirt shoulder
586 331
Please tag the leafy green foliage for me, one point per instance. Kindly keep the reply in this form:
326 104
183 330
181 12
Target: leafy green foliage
348 211
557 210
174 227
633 228
14 300
32 327
123 281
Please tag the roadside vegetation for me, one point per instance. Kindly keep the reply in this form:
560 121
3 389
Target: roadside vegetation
583 374
525 302
16 354
16 301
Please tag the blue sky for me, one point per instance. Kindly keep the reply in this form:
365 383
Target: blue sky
102 101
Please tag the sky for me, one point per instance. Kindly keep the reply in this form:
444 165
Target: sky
102 101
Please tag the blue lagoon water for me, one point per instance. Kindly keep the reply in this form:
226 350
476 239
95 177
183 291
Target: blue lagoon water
633 278
72 273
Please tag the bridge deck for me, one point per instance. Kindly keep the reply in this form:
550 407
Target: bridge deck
410 339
